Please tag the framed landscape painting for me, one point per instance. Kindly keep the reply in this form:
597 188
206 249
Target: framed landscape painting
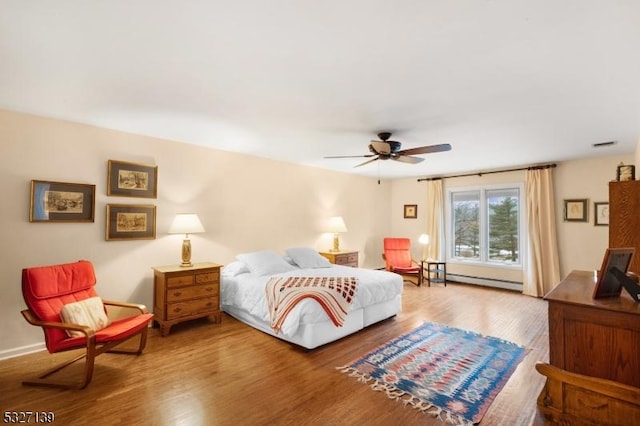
131 222
132 179
61 202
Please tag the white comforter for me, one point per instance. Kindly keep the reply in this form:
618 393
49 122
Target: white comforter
246 291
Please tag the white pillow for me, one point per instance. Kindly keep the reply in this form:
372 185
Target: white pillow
306 257
264 262
235 268
89 312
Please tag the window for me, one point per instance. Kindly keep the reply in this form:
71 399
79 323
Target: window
486 225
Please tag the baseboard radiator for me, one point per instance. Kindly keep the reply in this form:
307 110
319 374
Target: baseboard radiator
488 282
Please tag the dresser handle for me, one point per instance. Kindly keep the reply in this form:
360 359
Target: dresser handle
209 304
177 309
177 293
209 288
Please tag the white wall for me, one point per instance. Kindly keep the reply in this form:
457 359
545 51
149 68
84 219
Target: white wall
245 203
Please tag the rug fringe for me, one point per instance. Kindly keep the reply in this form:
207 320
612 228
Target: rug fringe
416 403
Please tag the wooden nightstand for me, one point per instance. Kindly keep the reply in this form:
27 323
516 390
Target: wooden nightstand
346 258
185 293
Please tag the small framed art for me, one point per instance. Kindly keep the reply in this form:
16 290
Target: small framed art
575 210
131 222
601 214
132 179
61 202
410 211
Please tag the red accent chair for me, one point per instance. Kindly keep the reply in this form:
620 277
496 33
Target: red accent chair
46 289
397 256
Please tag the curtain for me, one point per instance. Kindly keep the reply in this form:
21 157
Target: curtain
435 220
542 266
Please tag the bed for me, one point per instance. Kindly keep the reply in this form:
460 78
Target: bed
243 282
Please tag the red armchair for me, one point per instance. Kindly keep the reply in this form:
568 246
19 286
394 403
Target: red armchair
47 289
397 256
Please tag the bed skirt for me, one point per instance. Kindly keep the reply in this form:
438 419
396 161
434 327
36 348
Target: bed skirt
310 336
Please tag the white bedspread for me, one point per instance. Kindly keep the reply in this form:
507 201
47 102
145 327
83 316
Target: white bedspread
247 292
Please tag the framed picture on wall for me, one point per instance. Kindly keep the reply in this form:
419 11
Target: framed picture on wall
601 214
131 222
410 211
575 210
132 179
61 202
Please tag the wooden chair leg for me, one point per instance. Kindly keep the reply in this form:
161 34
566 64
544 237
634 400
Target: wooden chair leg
90 355
41 380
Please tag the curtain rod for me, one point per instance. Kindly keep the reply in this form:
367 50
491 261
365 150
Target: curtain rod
545 166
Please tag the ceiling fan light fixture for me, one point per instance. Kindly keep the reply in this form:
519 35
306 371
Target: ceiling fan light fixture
385 149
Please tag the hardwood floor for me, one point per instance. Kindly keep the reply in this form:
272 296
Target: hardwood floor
229 373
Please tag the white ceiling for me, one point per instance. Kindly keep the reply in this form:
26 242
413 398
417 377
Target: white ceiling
505 82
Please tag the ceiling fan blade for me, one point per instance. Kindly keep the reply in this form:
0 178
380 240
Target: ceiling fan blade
407 159
381 147
426 149
352 156
367 162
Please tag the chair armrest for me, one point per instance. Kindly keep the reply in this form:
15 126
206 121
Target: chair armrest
31 319
139 307
610 388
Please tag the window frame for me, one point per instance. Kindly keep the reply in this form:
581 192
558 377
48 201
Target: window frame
483 218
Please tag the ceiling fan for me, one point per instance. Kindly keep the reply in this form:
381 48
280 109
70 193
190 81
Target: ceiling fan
384 149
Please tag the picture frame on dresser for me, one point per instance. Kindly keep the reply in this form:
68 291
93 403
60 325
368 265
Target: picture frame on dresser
616 261
62 202
126 179
131 222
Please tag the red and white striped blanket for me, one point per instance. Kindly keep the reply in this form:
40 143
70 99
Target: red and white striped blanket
334 294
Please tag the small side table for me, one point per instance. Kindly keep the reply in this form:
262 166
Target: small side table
437 268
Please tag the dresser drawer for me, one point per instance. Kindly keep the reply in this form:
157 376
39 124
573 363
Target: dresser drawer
195 306
185 293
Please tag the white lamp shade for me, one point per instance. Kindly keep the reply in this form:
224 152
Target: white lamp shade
186 223
424 239
336 224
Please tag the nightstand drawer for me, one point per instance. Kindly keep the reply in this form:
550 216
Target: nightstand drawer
182 309
179 280
186 293
345 258
209 277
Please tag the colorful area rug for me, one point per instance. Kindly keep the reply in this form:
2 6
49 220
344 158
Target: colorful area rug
450 373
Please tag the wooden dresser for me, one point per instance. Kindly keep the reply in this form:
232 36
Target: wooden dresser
624 218
593 375
185 293
345 258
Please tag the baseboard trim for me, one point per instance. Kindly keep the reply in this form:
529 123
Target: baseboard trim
22 350
488 282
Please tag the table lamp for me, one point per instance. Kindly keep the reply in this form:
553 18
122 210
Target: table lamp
336 226
186 223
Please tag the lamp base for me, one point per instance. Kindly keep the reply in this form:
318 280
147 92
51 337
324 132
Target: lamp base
336 243
186 253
